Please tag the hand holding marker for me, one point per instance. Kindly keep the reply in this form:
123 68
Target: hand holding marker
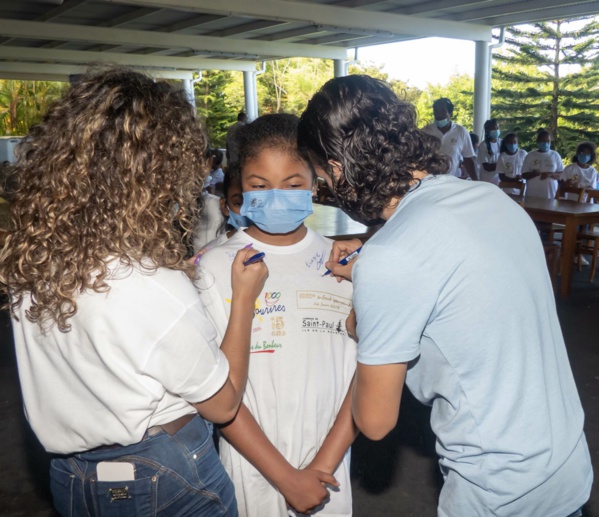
254 258
346 260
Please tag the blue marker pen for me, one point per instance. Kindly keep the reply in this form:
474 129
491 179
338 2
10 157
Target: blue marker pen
254 258
346 260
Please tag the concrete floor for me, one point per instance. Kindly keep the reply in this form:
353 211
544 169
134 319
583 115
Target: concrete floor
395 477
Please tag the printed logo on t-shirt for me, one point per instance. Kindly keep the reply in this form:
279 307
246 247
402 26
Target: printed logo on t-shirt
321 325
278 326
508 166
271 301
265 347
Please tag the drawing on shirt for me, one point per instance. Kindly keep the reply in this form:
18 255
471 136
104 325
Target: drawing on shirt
317 260
265 347
278 326
320 325
324 301
507 166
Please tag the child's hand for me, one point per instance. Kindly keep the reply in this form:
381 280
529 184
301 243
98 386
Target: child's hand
340 250
306 489
248 281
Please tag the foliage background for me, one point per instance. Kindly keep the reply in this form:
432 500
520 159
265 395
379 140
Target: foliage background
546 75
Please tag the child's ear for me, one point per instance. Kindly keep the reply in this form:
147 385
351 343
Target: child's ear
223 207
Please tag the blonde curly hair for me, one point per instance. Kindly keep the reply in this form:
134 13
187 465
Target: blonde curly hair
108 174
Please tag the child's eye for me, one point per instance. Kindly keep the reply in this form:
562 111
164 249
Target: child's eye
295 186
258 186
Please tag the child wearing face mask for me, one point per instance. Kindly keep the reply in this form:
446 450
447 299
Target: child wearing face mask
510 161
287 448
542 168
488 153
581 173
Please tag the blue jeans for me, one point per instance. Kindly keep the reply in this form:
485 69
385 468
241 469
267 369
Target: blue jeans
177 475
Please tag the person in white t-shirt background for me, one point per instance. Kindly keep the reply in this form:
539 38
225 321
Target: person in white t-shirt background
511 158
455 139
118 362
581 173
293 431
488 153
542 168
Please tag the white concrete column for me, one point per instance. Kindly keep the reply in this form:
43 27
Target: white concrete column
482 85
340 68
251 95
189 93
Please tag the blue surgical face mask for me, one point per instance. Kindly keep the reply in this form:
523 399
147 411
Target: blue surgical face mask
583 158
495 133
442 123
544 146
511 148
238 221
277 211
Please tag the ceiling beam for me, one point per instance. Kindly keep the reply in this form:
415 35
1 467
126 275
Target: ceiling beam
340 17
528 7
555 13
66 70
83 57
156 39
436 6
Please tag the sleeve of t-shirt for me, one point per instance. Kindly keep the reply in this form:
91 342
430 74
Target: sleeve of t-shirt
559 165
393 303
567 174
500 165
527 164
467 149
213 301
594 180
187 361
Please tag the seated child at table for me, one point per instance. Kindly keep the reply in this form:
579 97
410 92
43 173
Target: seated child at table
511 158
542 168
294 428
581 173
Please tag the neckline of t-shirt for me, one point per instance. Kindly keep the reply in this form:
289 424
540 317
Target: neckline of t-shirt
424 183
280 250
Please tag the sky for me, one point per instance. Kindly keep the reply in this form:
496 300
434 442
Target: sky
422 61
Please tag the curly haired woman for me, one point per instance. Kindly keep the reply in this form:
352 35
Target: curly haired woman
117 360
453 297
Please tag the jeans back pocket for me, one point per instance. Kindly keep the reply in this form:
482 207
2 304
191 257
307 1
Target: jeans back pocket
125 498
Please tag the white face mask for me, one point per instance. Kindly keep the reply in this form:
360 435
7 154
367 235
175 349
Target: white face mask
442 123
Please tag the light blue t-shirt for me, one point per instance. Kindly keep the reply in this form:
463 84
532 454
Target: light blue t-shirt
456 283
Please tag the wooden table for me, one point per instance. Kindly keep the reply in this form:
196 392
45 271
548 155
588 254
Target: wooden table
569 213
332 222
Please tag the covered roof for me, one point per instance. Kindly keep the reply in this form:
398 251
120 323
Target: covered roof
174 38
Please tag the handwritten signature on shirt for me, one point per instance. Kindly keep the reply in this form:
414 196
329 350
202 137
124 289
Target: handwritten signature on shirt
317 259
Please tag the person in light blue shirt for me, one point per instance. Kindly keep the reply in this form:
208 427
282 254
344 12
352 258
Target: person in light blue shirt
452 296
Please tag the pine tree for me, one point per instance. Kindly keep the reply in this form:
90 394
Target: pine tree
213 105
545 77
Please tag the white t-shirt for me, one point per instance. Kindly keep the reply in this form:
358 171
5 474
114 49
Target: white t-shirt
511 166
549 161
136 357
211 223
586 178
216 176
455 143
474 315
301 362
483 156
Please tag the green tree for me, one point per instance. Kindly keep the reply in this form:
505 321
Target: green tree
213 105
459 90
546 77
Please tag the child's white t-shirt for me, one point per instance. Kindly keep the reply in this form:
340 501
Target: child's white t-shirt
301 363
549 161
511 166
586 178
483 156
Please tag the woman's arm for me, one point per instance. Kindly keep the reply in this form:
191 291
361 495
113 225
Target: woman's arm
302 489
247 283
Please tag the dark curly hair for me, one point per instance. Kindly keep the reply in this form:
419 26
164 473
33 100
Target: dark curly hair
586 145
359 122
104 176
274 131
